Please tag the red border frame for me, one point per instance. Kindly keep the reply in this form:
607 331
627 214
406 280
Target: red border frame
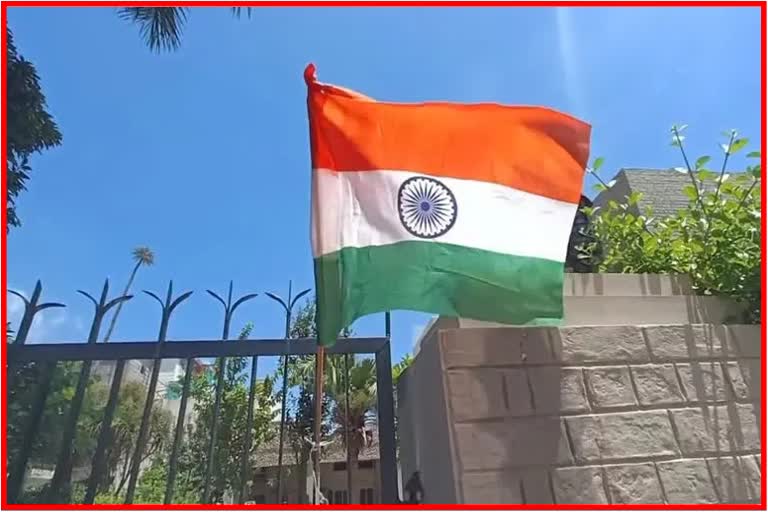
406 3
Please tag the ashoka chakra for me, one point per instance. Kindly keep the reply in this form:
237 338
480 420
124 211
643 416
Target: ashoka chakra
427 208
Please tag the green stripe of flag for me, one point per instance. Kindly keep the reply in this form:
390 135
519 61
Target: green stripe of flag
436 278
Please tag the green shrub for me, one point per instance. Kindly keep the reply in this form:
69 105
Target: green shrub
715 239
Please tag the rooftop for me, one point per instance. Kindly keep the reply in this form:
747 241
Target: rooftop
662 189
267 455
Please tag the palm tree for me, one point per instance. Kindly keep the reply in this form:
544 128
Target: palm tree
142 256
161 27
354 404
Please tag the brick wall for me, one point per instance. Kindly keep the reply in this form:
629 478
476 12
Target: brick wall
620 414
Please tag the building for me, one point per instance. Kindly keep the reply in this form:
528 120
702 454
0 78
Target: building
662 190
333 474
135 371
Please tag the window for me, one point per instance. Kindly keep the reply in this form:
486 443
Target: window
365 464
340 497
339 466
366 496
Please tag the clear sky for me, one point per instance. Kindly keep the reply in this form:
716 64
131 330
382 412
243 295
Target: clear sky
202 154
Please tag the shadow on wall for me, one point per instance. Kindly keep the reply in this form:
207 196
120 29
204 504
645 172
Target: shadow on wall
726 395
507 429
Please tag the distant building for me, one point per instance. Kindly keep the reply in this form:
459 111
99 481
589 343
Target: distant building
167 395
333 474
662 190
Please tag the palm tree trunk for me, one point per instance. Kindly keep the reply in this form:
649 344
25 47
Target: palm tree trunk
346 430
120 304
301 479
351 468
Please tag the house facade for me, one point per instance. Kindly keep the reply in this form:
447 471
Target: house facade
333 474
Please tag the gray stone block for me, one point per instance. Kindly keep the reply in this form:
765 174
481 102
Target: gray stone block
607 437
750 464
610 386
511 443
732 476
479 393
716 430
634 483
579 485
703 381
557 390
494 347
530 486
499 487
746 339
687 481
745 378
600 344
536 486
657 384
685 342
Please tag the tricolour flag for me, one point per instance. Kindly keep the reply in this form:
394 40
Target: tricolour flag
453 209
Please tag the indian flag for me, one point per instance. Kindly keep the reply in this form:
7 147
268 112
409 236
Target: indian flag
453 209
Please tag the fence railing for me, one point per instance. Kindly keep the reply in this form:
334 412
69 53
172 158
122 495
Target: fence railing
46 356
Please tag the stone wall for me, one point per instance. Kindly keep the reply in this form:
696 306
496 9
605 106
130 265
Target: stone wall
611 414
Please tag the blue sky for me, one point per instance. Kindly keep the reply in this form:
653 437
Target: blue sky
202 154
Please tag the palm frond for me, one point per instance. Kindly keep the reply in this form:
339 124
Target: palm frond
160 27
143 255
238 11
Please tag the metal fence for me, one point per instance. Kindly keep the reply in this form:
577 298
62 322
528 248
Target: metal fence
46 356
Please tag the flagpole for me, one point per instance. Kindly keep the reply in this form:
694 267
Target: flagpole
320 360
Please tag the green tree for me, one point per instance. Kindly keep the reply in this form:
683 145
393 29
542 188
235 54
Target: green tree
47 442
715 239
30 127
141 256
230 433
151 486
22 394
397 371
354 404
300 425
161 27
232 426
360 396
125 430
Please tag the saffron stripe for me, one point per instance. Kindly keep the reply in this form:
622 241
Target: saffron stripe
532 149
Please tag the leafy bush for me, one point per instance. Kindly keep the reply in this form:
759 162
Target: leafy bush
715 239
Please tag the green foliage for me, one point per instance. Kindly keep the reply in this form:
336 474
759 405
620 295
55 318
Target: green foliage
30 127
22 393
397 371
359 393
151 486
304 324
230 434
715 239
161 27
400 367
125 431
232 426
300 429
